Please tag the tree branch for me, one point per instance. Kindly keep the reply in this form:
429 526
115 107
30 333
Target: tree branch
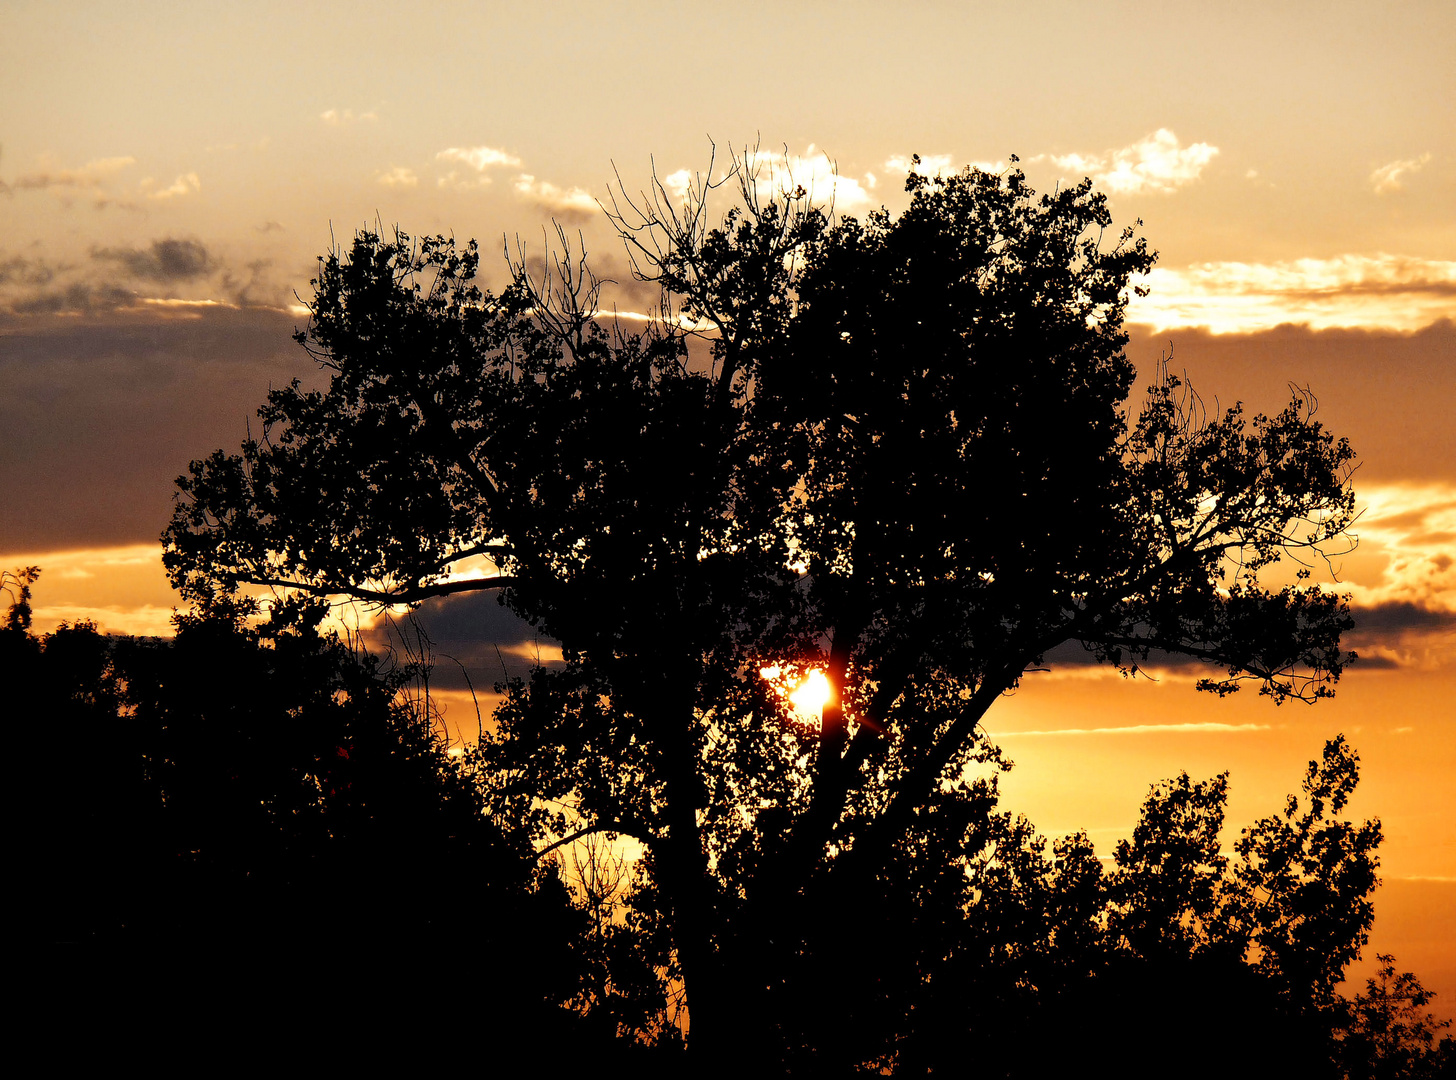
600 827
411 595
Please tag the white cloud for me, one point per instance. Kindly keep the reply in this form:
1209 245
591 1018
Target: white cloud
479 158
930 164
776 173
1390 292
337 117
569 202
399 177
185 184
815 173
936 165
1157 163
1387 178
678 183
452 179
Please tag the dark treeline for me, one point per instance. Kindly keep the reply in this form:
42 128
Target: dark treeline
252 827
253 805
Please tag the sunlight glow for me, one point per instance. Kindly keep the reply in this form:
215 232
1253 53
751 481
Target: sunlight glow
812 694
808 695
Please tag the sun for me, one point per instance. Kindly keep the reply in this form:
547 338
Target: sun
812 694
808 696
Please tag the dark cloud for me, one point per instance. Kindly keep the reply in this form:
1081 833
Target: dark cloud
1073 654
1401 635
1400 617
468 634
168 260
101 414
1386 636
622 288
257 288
18 270
79 297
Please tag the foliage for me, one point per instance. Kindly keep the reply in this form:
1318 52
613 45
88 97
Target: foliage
895 449
1304 883
240 802
262 789
1388 1034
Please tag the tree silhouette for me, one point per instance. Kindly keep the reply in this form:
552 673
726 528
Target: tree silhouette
895 450
246 820
1387 1034
257 801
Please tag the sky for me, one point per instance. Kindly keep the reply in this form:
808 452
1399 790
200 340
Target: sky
169 174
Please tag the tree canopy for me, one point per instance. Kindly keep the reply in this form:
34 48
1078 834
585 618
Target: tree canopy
897 450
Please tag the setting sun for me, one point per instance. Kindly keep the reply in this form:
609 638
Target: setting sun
808 695
811 695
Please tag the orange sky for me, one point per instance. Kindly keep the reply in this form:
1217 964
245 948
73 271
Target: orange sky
168 172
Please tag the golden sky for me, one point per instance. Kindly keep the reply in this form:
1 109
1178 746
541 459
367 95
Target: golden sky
169 172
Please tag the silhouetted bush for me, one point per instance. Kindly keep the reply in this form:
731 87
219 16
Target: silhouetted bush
251 818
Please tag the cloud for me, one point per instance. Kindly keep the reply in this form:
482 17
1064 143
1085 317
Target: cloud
1380 291
101 413
775 173
569 203
1387 178
185 184
1401 578
19 270
78 298
816 173
166 260
937 165
93 174
259 288
338 117
479 158
678 183
1408 546
1157 163
399 177
144 621
474 639
121 589
536 652
172 277
1138 729
928 165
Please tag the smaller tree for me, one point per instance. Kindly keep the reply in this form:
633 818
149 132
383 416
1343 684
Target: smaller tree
1301 890
1171 875
1388 1034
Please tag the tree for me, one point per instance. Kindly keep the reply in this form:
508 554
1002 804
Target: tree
897 450
241 819
1387 1034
